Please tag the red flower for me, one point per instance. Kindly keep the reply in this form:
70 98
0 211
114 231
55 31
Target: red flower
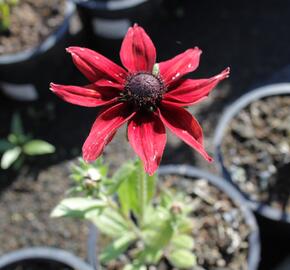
147 97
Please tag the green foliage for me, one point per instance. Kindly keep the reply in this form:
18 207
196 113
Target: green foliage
38 147
10 156
110 222
5 9
87 178
18 146
182 241
136 189
155 70
123 209
135 266
76 207
182 258
158 219
118 247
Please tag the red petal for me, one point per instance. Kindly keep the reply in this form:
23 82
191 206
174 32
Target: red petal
95 66
138 52
104 129
173 69
185 126
84 96
189 91
146 134
108 83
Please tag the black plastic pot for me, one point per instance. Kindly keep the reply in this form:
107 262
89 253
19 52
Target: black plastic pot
285 265
259 93
274 224
42 256
110 19
220 183
20 71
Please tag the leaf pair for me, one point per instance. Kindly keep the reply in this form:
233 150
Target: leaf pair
18 145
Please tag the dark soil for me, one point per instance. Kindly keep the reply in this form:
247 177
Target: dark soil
220 232
37 265
25 214
256 151
31 22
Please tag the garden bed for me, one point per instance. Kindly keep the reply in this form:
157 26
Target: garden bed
25 214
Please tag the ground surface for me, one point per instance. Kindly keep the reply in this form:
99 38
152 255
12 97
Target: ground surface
250 37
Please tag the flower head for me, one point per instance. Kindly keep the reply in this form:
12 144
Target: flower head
146 95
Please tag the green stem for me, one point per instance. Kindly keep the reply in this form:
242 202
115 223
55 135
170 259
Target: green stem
143 192
4 19
131 224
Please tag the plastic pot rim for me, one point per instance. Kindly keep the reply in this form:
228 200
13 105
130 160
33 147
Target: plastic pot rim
193 172
44 253
45 45
229 113
110 5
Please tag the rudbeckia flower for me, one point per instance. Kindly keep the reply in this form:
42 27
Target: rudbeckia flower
149 97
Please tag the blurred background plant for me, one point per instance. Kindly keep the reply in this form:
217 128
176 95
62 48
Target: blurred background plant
5 9
19 145
123 209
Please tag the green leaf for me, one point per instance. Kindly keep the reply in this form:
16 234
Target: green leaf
120 176
182 241
166 198
136 190
155 70
5 17
9 157
150 255
134 267
109 222
182 258
18 163
76 207
38 147
118 247
12 138
13 2
16 125
5 145
184 225
158 229
127 192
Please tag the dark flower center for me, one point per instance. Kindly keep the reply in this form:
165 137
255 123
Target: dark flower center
145 90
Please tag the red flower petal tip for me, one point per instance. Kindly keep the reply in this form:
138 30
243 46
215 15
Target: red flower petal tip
210 159
74 50
224 74
52 87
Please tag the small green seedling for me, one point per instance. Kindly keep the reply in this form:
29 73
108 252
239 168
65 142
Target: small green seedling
18 145
5 9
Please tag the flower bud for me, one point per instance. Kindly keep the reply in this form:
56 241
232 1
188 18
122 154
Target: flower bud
176 208
94 174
